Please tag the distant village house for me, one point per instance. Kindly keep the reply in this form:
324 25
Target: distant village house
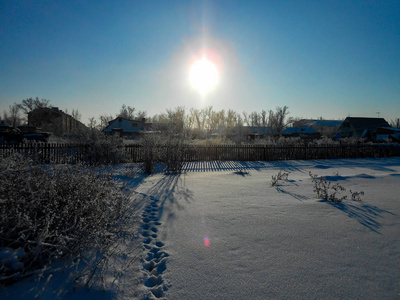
303 132
55 121
257 132
384 134
326 128
128 128
361 127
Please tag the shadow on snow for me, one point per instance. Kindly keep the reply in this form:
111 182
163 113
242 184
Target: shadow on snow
171 190
289 165
365 214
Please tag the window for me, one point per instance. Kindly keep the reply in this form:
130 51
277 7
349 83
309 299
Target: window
134 124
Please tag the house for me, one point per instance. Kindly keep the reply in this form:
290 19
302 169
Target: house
54 120
9 134
255 132
128 128
388 133
361 127
251 132
303 132
33 133
327 128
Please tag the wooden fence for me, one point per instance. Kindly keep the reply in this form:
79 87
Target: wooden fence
271 153
47 152
71 153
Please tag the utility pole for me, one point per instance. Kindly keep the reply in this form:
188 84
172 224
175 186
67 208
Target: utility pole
378 113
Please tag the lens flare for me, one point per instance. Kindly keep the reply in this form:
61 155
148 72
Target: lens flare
206 241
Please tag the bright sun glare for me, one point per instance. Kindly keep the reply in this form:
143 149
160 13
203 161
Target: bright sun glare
203 75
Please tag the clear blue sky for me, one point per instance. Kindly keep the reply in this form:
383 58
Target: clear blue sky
320 58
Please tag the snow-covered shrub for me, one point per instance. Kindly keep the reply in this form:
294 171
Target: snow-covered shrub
281 141
353 141
323 141
99 148
356 196
48 212
289 141
326 190
102 149
174 152
170 150
242 172
151 152
218 140
280 176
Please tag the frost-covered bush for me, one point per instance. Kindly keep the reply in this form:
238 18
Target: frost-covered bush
151 152
169 150
48 212
324 141
174 153
102 149
99 149
354 141
356 196
218 140
280 176
326 190
281 141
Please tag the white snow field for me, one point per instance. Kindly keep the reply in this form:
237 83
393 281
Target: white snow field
216 232
232 236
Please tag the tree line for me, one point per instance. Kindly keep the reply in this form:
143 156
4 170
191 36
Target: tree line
198 122
201 122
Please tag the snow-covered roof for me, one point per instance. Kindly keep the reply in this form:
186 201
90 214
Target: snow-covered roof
127 126
302 130
392 128
130 130
262 129
325 123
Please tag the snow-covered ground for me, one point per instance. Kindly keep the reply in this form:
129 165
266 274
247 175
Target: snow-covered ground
216 233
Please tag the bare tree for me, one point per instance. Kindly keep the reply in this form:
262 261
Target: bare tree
195 115
92 123
12 117
141 115
176 120
246 118
395 123
254 119
231 119
276 119
76 115
160 122
264 118
30 104
104 119
127 112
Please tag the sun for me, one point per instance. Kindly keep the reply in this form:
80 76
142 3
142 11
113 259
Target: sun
203 75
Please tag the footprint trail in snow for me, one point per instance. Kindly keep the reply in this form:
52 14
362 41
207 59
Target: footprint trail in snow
155 259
